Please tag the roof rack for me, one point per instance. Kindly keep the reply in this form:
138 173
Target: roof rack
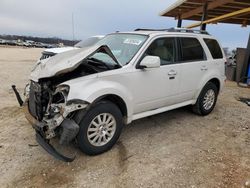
176 29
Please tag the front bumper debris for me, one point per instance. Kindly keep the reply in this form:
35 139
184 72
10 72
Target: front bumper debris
40 137
18 97
51 150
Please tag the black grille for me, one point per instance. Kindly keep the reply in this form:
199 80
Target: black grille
35 98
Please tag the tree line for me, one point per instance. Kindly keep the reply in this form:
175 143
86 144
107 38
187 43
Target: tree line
47 40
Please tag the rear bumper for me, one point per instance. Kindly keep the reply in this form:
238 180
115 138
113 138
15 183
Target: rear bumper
40 138
222 82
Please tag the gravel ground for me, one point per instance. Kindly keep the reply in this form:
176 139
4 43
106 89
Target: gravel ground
172 149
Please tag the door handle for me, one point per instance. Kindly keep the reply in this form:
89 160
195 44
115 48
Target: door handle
172 73
204 68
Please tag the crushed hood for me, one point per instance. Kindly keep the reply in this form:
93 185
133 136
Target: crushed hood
66 62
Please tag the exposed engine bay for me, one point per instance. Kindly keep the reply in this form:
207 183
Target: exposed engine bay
47 99
49 106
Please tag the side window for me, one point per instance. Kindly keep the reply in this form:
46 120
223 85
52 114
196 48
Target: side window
191 50
214 48
164 48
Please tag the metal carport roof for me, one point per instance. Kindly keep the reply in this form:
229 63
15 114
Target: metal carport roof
217 11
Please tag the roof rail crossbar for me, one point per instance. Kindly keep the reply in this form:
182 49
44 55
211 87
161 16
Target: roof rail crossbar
174 29
181 29
144 29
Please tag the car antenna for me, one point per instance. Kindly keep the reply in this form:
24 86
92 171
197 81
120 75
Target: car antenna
73 30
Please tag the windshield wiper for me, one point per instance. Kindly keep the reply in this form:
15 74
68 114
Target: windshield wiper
98 61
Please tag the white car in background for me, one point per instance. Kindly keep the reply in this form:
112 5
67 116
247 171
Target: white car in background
82 44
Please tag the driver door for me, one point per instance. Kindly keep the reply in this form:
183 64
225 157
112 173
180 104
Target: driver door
157 87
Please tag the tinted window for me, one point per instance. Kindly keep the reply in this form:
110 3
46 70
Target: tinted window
214 48
164 48
191 50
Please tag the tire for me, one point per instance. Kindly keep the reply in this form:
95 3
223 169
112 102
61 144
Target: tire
89 133
201 107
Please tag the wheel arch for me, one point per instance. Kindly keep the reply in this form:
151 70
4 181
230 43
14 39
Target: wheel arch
214 80
117 100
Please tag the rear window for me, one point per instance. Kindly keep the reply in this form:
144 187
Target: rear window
214 48
191 50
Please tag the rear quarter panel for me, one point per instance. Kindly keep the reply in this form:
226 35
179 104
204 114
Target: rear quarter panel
216 68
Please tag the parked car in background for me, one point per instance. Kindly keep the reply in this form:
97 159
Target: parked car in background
11 42
82 44
89 94
2 41
27 44
231 60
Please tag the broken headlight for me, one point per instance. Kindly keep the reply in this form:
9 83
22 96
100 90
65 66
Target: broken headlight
64 88
26 91
61 93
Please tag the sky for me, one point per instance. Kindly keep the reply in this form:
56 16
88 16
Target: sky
53 18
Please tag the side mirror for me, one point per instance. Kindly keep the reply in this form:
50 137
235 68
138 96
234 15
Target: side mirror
150 62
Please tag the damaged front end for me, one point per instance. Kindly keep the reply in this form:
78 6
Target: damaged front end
46 103
51 115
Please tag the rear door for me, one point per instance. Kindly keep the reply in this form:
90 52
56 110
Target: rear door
194 65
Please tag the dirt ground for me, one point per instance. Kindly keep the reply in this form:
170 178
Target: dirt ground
172 149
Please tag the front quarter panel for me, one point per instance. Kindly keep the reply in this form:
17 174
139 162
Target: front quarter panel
90 90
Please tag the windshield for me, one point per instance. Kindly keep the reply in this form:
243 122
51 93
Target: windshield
123 46
88 42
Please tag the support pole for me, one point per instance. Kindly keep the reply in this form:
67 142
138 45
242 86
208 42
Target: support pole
204 16
179 23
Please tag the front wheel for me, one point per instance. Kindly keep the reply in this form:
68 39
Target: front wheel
206 100
100 128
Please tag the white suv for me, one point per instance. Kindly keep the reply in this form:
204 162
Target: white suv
88 95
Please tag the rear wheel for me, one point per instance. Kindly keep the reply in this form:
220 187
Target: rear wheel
206 100
100 128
